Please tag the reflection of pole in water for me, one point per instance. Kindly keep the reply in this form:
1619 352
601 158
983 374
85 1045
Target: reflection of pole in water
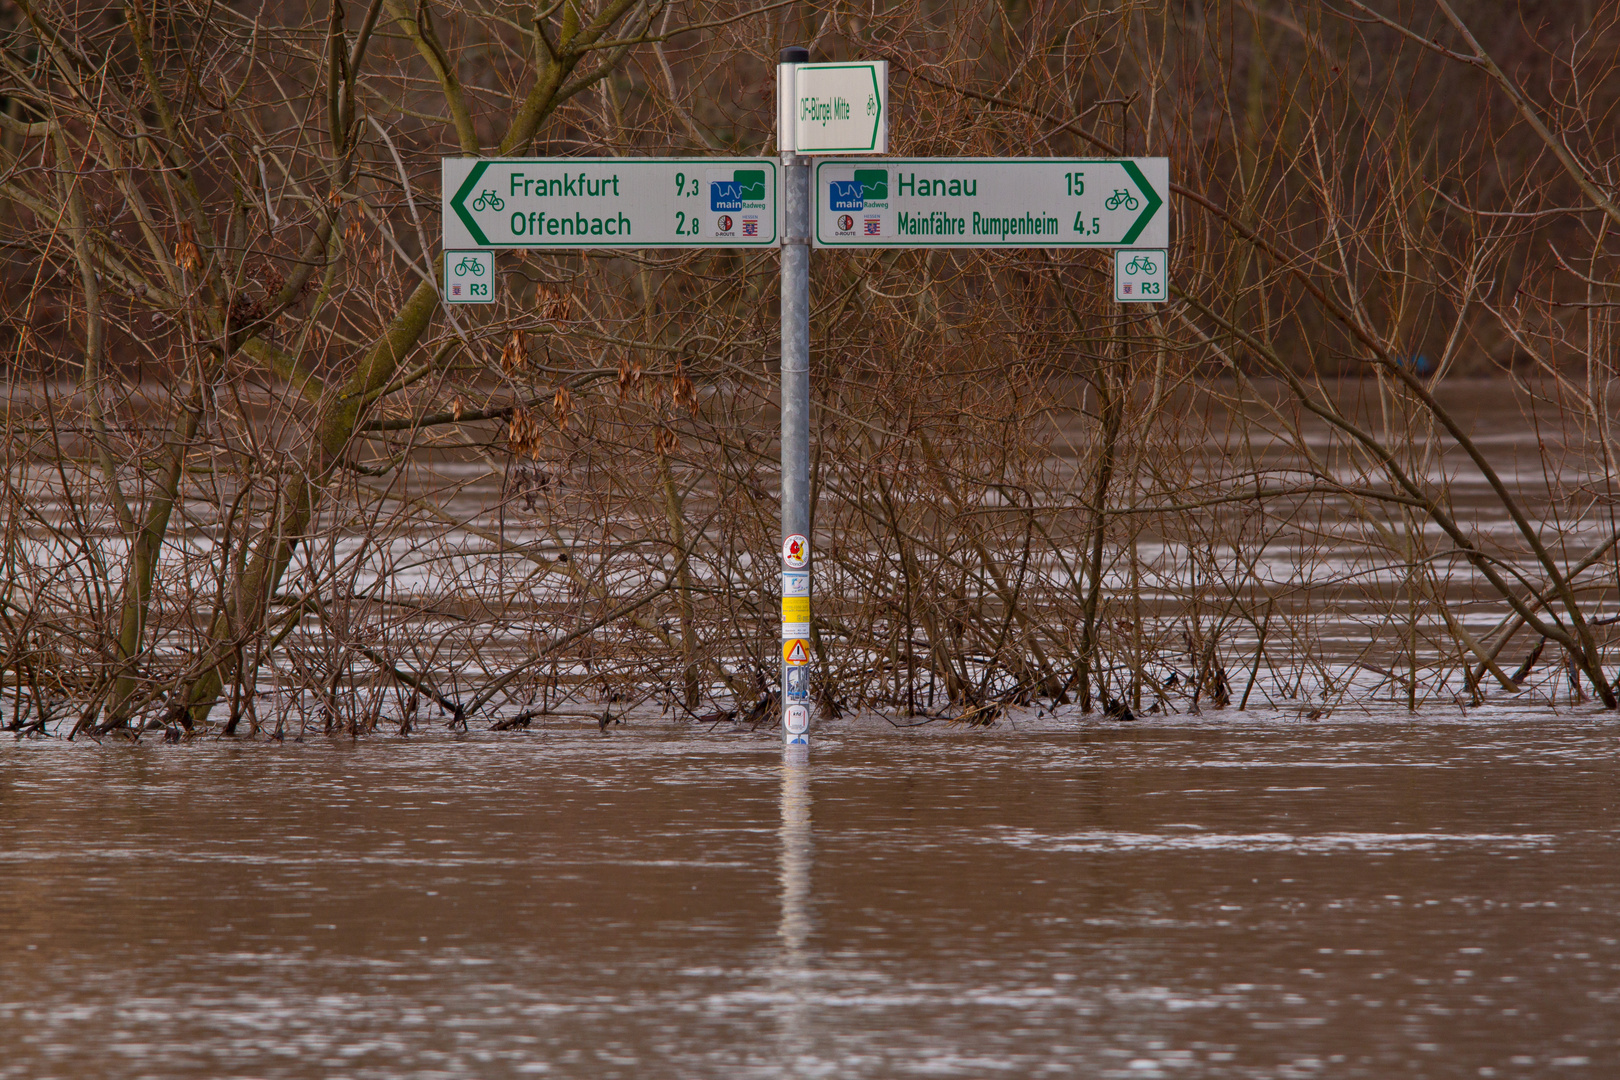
794 929
794 874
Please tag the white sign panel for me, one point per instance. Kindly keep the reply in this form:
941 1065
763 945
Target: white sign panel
469 277
1141 276
993 202
609 202
841 108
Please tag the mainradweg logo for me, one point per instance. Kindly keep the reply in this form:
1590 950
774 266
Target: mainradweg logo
867 188
743 190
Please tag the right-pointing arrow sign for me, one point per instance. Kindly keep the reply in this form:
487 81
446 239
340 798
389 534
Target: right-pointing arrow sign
992 202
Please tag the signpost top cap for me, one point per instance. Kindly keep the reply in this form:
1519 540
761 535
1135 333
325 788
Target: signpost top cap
794 54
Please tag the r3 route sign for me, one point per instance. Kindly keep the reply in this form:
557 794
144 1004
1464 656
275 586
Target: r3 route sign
992 202
609 202
469 277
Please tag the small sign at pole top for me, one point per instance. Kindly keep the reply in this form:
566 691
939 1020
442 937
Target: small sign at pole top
841 108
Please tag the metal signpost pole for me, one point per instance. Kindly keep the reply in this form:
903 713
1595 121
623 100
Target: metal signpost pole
837 113
795 411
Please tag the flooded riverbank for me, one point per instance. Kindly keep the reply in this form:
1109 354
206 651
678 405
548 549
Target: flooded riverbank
1360 897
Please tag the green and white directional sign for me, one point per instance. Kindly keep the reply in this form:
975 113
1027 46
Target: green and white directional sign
469 277
992 202
609 202
1141 276
841 108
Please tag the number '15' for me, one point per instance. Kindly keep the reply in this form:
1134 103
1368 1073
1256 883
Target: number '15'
1076 182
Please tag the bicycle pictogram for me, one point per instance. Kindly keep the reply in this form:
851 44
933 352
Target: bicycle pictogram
488 200
1119 198
469 265
1141 264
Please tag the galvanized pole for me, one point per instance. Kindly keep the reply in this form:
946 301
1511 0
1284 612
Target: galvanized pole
796 564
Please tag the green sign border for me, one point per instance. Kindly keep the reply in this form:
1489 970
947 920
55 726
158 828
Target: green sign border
458 203
870 67
1152 198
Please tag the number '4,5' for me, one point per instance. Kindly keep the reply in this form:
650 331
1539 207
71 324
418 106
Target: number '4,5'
1080 226
1075 182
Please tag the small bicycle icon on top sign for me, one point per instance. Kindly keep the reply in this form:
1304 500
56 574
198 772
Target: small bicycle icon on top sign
488 200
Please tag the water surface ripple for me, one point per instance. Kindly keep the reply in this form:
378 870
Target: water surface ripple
1359 899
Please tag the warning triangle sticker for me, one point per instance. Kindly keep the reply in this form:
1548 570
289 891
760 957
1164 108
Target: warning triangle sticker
796 653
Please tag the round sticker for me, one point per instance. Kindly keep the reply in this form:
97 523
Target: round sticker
796 550
797 719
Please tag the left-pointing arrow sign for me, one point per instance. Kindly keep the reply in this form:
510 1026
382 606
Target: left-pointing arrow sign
609 202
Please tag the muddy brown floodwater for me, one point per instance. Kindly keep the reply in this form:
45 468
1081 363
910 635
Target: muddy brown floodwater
1378 898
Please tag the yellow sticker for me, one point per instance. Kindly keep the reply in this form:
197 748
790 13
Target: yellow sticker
796 651
795 609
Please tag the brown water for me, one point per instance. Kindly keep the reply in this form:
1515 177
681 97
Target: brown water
1360 899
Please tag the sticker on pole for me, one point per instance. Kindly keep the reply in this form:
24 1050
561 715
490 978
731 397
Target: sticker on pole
796 651
796 719
1140 276
796 550
795 583
798 682
469 277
